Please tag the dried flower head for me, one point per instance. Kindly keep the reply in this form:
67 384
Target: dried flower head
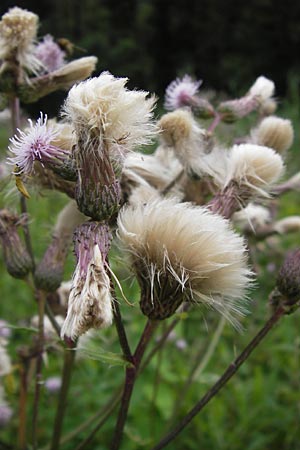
253 215
122 117
263 89
253 168
50 334
18 29
90 301
35 144
109 121
275 133
184 253
248 171
188 140
287 225
143 194
49 53
64 135
158 170
5 362
180 92
62 78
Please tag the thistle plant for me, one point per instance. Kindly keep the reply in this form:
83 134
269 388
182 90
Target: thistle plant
187 221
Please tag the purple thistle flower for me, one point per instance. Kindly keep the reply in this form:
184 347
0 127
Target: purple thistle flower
5 414
50 54
34 145
180 92
5 331
181 344
53 384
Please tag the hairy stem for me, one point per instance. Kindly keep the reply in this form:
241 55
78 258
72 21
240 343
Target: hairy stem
223 380
214 123
39 364
169 186
22 406
121 331
69 358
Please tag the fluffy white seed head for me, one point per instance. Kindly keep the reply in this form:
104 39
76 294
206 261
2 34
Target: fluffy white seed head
263 89
5 362
68 219
49 331
90 301
191 252
122 117
18 29
143 194
274 132
74 71
253 215
188 140
64 292
253 167
287 225
152 169
64 135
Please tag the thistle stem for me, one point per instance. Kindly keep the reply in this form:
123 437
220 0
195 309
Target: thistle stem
39 364
52 319
22 406
223 380
15 114
130 378
215 123
121 331
169 186
69 358
115 398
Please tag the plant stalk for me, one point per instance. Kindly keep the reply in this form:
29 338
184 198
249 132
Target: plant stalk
130 378
69 358
39 364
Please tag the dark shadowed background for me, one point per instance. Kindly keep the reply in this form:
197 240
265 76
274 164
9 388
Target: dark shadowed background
225 43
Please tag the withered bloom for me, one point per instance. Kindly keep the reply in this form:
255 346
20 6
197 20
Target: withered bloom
90 301
181 253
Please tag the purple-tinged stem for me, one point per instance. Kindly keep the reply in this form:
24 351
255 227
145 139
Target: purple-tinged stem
215 123
69 358
39 364
130 378
22 406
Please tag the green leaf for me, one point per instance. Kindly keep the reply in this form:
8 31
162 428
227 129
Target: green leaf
97 353
15 327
